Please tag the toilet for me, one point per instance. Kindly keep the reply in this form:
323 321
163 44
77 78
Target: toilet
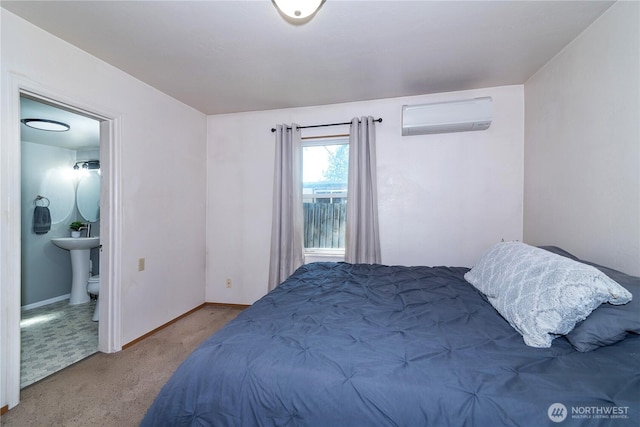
93 287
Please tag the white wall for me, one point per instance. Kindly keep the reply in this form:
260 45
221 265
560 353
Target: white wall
162 166
582 152
443 199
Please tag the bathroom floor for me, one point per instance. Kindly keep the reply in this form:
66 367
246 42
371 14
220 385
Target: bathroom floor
55 336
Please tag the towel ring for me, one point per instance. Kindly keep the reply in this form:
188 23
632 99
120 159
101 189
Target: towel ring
42 199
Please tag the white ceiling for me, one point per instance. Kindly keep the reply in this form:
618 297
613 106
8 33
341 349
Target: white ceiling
232 56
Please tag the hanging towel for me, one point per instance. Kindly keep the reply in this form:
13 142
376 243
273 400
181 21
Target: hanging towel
41 220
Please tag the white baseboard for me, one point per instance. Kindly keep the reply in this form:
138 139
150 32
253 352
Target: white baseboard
45 302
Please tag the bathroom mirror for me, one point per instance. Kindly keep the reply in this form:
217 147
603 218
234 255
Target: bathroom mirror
88 197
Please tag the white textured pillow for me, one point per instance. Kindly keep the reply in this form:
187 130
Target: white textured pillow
541 294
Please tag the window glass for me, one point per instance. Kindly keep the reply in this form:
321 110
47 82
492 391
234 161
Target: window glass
325 166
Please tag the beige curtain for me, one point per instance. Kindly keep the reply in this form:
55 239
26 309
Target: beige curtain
287 252
362 233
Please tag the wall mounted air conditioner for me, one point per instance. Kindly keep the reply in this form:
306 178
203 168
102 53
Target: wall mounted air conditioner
442 117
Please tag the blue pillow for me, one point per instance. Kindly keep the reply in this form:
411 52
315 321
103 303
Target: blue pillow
609 323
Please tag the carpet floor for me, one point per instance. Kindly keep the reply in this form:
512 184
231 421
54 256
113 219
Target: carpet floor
115 389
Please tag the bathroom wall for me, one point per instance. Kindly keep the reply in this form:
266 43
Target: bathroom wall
46 269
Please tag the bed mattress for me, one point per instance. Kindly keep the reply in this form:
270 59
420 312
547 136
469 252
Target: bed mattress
340 344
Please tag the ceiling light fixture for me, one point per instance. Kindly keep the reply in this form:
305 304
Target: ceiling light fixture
44 124
298 10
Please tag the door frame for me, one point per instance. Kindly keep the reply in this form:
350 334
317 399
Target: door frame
110 222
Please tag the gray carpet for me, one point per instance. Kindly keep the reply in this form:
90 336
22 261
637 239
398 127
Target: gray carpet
115 389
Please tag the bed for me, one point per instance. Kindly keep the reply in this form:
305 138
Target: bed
342 344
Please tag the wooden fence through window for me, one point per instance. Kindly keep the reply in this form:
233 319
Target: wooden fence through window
325 225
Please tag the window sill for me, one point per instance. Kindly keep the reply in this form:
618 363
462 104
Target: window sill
323 255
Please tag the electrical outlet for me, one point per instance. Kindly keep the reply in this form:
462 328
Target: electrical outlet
140 264
228 283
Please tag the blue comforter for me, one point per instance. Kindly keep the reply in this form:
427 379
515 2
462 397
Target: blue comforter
358 345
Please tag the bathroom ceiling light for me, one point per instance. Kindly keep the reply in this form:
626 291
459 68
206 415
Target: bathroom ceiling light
298 9
44 124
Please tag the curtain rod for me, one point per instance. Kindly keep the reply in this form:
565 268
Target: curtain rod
329 124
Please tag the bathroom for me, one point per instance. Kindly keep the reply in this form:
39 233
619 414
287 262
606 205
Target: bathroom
60 171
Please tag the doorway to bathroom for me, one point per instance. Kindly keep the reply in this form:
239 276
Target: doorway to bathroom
60 188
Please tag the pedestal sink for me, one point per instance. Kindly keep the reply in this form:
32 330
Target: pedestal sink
80 249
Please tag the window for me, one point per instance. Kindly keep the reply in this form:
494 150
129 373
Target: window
325 170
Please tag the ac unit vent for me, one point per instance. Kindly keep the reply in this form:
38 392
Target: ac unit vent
444 117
